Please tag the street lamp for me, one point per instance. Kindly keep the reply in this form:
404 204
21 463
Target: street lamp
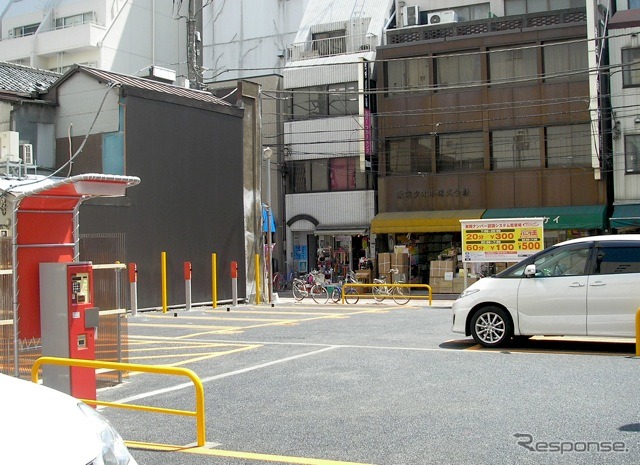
266 156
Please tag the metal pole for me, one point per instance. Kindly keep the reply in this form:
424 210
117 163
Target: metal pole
267 152
163 265
214 280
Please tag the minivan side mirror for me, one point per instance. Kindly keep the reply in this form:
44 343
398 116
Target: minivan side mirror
530 271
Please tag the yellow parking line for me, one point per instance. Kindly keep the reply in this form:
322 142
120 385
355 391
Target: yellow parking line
239 454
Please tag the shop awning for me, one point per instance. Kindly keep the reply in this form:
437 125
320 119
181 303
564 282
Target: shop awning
579 217
338 231
422 221
626 216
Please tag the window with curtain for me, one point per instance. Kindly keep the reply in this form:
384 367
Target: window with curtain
566 61
342 173
515 148
455 70
507 65
409 155
630 67
568 146
460 152
632 154
410 74
520 7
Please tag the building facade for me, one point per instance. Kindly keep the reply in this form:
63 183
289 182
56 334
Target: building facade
486 118
328 134
122 36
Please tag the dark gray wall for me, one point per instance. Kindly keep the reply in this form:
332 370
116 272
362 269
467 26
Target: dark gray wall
189 203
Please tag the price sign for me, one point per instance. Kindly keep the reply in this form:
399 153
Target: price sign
501 240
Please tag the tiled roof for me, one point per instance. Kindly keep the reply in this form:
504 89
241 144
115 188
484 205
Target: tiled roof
25 80
148 84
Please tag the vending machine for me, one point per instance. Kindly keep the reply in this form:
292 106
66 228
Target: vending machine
69 324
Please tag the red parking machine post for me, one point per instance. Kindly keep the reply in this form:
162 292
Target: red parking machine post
187 285
69 325
234 283
133 287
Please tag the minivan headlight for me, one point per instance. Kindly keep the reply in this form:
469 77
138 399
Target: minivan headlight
467 293
114 451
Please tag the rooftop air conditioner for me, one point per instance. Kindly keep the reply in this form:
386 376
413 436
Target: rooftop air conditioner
26 153
411 15
442 17
9 150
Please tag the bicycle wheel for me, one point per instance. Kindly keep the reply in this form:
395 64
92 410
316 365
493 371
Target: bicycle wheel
379 292
298 289
336 294
319 294
351 295
401 295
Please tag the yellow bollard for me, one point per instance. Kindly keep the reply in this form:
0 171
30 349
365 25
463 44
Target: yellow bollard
214 280
638 333
257 271
163 265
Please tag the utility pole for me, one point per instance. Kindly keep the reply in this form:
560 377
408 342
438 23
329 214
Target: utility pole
194 43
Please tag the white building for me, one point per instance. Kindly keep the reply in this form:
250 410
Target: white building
116 35
624 54
328 132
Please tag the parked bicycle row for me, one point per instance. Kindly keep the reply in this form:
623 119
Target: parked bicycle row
315 286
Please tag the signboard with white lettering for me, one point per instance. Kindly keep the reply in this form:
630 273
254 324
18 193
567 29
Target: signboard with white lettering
501 240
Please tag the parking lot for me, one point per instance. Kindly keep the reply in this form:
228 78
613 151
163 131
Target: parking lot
373 384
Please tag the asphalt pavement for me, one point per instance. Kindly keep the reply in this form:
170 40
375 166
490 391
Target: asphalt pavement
373 383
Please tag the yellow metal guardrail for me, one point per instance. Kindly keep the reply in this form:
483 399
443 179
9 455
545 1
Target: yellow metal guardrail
428 296
157 369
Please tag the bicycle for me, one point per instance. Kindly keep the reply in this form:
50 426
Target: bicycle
310 286
400 295
280 283
351 294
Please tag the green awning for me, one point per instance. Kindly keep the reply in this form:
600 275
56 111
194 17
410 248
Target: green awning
582 217
626 216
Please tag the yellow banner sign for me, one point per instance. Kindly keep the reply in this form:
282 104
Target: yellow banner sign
501 240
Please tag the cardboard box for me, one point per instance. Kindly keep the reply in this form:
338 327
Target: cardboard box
438 268
384 264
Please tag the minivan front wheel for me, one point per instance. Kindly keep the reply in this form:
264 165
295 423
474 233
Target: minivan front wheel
491 327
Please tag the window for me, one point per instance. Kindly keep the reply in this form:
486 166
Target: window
566 61
634 4
520 7
329 43
473 12
508 65
515 148
343 99
319 101
454 70
632 154
409 155
618 258
411 74
75 20
569 146
630 67
557 261
25 30
460 152
328 174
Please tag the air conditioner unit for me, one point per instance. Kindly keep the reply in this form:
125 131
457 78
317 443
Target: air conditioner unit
26 153
411 15
442 17
9 146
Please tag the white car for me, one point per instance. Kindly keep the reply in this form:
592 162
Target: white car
40 425
582 287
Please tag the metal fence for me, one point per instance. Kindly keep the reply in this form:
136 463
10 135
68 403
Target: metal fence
104 251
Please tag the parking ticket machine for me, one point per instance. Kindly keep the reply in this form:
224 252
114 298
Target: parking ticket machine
69 324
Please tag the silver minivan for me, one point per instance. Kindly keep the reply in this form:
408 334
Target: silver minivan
582 287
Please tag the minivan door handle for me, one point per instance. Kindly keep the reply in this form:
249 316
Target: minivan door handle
576 285
598 283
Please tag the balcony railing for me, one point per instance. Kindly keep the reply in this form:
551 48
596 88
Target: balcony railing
332 46
483 26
